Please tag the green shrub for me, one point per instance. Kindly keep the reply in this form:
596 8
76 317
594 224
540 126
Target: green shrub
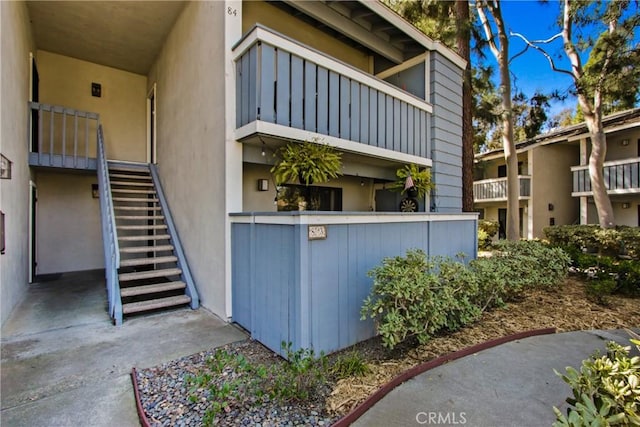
351 364
417 296
606 390
622 240
516 266
300 376
486 231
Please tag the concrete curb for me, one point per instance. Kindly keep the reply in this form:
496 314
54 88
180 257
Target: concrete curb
387 388
141 415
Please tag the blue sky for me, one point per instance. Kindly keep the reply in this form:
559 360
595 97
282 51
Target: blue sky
532 71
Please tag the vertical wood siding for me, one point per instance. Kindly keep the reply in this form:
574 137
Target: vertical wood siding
446 134
287 288
279 87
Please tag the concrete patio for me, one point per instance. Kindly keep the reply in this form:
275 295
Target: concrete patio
65 364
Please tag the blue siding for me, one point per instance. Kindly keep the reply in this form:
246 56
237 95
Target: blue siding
276 86
287 288
445 131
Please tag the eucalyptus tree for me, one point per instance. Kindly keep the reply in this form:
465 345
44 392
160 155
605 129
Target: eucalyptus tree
607 33
449 21
490 15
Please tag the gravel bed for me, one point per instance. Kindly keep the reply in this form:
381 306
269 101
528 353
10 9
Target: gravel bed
165 394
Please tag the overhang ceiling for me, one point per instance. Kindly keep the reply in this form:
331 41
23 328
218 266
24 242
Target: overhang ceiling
127 35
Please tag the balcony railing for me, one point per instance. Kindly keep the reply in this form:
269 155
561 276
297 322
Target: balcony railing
282 82
495 190
620 177
62 137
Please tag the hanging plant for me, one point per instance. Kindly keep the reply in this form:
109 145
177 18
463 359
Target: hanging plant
308 162
413 181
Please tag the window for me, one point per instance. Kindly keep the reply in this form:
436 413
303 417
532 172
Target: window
502 170
299 197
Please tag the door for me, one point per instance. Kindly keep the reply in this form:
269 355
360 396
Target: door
35 97
33 199
502 223
151 125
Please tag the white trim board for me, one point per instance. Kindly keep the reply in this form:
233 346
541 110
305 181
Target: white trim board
288 133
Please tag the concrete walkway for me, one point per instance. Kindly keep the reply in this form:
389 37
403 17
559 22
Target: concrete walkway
512 384
65 364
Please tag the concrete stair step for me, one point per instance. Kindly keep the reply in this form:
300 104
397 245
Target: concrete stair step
139 217
137 208
129 169
152 289
143 238
134 199
153 304
147 261
146 177
132 184
137 275
129 191
145 249
142 227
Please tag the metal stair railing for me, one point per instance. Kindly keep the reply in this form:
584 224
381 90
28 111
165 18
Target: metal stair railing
109 233
171 229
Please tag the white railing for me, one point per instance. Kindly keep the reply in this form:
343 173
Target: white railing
495 189
62 137
283 82
109 234
620 177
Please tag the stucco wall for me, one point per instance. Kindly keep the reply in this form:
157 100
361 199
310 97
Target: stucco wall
68 223
190 115
15 44
617 151
270 16
122 107
355 197
552 183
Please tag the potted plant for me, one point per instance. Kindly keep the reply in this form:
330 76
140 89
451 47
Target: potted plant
415 183
308 162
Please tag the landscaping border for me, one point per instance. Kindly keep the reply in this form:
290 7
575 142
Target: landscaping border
385 389
407 375
141 415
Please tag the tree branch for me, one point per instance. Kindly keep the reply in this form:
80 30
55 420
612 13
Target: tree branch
541 50
487 29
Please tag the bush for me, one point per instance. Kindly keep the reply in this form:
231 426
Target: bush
486 231
516 266
417 296
622 240
606 391
351 364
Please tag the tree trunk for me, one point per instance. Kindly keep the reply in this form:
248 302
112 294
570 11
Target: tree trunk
593 118
511 157
596 163
463 40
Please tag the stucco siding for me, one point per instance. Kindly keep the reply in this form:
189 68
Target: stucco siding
446 134
552 183
260 12
68 223
15 44
190 78
122 107
355 197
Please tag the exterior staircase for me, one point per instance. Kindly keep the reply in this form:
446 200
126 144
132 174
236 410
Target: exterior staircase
153 274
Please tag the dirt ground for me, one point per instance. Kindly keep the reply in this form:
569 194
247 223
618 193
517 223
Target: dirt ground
566 309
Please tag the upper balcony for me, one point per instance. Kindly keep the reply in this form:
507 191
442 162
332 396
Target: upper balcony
495 189
620 177
290 91
62 137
